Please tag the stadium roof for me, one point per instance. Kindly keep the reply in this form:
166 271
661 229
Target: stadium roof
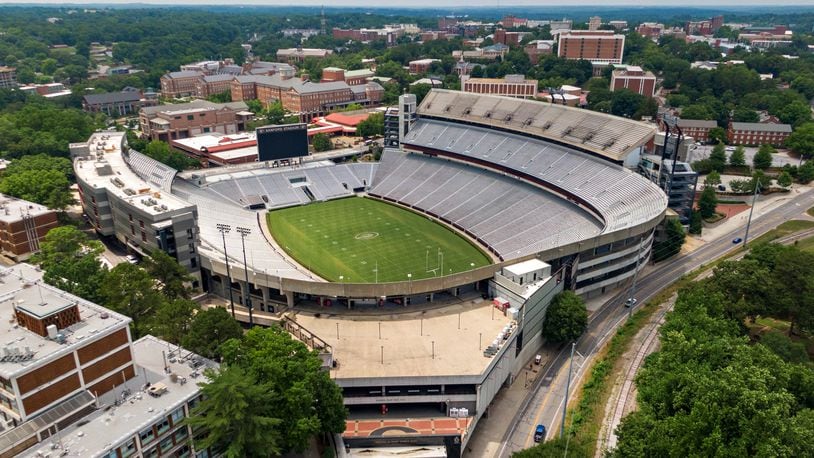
608 136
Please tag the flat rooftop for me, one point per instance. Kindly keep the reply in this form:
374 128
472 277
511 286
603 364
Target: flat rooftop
22 286
408 342
12 208
112 423
105 167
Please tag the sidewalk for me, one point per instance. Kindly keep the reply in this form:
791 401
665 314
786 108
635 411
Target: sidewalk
488 435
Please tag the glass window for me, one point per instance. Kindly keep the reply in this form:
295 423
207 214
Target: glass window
177 415
128 448
181 435
166 445
162 426
147 436
152 453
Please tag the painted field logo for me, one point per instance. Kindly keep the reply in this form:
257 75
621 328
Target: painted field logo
366 235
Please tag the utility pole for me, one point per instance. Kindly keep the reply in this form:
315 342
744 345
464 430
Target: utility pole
247 301
567 389
752 209
225 229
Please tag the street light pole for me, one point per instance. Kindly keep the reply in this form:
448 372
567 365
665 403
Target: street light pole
635 277
567 389
247 301
225 229
751 209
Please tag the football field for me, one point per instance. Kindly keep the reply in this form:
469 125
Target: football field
364 240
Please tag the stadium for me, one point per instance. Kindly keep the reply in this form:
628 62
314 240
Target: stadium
475 197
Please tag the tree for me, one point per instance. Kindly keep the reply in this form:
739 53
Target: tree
39 178
745 115
784 179
697 111
707 203
763 157
235 417
170 275
161 152
717 135
566 318
129 290
71 262
696 223
173 319
304 397
673 240
223 97
782 346
738 157
713 179
373 125
801 141
805 173
275 113
420 91
717 158
208 330
625 103
321 143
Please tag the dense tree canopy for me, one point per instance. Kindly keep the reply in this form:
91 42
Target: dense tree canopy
70 262
294 399
566 318
208 330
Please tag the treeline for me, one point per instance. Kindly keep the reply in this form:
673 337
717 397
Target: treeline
715 390
154 294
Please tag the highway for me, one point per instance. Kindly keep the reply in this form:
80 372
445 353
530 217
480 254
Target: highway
543 404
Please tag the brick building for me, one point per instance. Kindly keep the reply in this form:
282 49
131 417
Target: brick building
650 30
421 65
511 86
634 79
537 48
180 84
23 225
209 85
754 133
8 77
698 129
51 358
305 98
168 122
129 100
296 55
509 38
601 47
351 77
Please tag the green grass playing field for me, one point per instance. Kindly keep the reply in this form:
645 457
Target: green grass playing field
355 237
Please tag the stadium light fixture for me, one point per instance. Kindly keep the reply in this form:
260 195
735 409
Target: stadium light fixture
225 229
247 299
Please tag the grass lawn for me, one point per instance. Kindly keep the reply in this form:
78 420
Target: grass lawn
787 228
355 237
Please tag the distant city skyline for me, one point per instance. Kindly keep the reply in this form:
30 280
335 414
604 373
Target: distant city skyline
457 4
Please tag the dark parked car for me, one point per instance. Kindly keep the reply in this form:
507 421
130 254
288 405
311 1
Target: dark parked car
539 433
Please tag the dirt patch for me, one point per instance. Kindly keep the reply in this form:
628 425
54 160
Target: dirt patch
730 210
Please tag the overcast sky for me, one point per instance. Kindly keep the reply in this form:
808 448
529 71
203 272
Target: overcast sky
447 3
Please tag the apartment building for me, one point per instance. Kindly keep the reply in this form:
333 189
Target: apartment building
601 47
23 225
351 77
633 78
74 384
509 38
296 55
754 133
510 86
389 34
125 194
8 77
698 129
180 84
169 122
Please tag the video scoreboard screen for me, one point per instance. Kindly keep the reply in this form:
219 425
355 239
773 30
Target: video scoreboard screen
282 142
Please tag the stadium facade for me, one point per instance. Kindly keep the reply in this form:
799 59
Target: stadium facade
548 190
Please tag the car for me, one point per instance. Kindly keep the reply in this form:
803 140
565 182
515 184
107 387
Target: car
737 240
721 187
539 433
538 359
131 259
631 302
729 148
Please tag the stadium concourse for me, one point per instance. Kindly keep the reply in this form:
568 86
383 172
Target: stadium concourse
546 189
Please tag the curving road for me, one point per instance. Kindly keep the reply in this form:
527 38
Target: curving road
543 404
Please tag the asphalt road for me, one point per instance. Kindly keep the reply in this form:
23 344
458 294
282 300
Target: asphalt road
544 403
